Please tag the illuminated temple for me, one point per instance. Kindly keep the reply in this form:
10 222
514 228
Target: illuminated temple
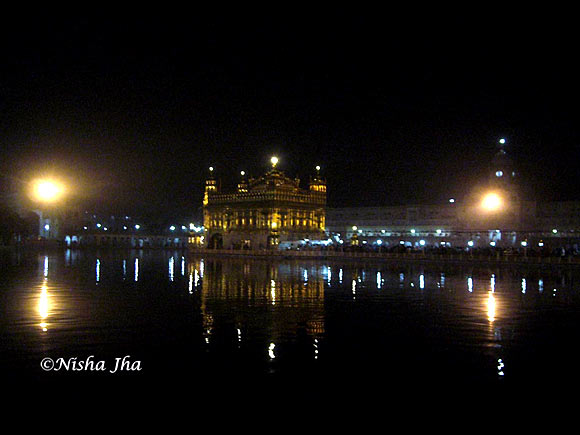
264 212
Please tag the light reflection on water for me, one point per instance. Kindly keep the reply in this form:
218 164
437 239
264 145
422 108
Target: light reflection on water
43 306
491 307
285 316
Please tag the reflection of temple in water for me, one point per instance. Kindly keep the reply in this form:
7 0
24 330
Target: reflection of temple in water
249 297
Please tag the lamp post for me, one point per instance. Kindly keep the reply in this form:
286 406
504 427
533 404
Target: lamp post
46 193
492 204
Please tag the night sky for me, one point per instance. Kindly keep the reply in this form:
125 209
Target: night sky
132 112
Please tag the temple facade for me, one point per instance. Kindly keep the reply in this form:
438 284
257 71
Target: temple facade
263 212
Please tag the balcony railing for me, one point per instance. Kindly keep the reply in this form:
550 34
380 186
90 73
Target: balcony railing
316 198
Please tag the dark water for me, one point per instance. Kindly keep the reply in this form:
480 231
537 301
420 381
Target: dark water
194 321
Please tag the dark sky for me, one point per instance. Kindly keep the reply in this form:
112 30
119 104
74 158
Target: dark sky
132 112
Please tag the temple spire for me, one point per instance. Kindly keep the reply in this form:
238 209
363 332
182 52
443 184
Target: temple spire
318 183
210 186
243 184
274 161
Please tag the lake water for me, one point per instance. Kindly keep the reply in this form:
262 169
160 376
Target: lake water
199 320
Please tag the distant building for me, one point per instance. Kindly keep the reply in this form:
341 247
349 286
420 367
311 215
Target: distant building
505 220
264 211
533 224
91 229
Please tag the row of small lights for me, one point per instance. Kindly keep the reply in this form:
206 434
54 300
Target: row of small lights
137 226
470 243
274 161
355 228
438 231
192 227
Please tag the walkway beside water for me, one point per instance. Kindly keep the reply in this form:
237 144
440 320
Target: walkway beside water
514 259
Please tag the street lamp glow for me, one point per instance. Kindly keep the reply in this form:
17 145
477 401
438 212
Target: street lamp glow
47 191
318 168
502 141
274 161
137 226
491 202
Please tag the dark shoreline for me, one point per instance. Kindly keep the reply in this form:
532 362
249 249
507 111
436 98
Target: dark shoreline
514 260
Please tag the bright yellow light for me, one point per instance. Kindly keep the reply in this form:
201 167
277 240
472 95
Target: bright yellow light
47 191
491 202
274 225
274 161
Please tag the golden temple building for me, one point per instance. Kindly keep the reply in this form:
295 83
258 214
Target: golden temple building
264 211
